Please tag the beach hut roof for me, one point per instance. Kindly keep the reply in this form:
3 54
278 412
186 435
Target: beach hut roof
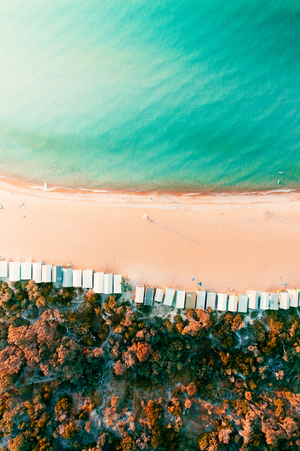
139 294
37 272
180 298
201 297
264 300
26 270
98 282
77 278
108 283
284 300
222 302
232 303
14 271
159 295
117 283
211 300
253 299
57 274
87 278
67 277
170 293
3 268
190 300
242 303
46 273
149 296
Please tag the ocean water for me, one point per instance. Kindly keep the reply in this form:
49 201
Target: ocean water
186 95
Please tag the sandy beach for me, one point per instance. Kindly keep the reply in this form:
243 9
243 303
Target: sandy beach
228 242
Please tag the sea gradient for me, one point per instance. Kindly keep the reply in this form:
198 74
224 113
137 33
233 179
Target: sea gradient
186 95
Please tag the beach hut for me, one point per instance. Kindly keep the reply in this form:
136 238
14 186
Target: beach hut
170 293
77 278
87 276
139 294
222 302
180 298
274 301
284 300
67 277
253 299
14 271
26 270
201 296
37 272
264 300
294 297
232 303
108 283
57 275
190 300
98 282
3 268
118 284
46 273
211 300
149 296
242 303
159 295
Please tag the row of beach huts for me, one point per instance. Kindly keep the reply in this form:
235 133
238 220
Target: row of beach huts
103 283
68 277
201 299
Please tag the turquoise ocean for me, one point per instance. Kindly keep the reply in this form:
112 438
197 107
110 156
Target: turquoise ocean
194 95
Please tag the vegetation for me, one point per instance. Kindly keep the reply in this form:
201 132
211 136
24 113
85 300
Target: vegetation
77 373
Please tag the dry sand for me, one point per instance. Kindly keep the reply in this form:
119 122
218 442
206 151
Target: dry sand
208 237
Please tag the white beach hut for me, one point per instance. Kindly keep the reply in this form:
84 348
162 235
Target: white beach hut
211 300
46 273
284 300
253 299
108 283
232 303
294 297
264 300
139 294
201 296
242 303
14 271
3 268
98 282
26 270
274 298
170 293
117 283
149 296
67 277
190 299
159 295
37 272
77 278
87 276
222 302
180 298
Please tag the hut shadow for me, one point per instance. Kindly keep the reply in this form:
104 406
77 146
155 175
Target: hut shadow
176 232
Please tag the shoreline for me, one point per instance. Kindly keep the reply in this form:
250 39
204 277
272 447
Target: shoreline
234 242
35 186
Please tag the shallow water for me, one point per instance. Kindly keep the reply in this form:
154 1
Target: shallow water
190 95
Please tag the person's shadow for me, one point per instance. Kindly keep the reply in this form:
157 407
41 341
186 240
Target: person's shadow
176 232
